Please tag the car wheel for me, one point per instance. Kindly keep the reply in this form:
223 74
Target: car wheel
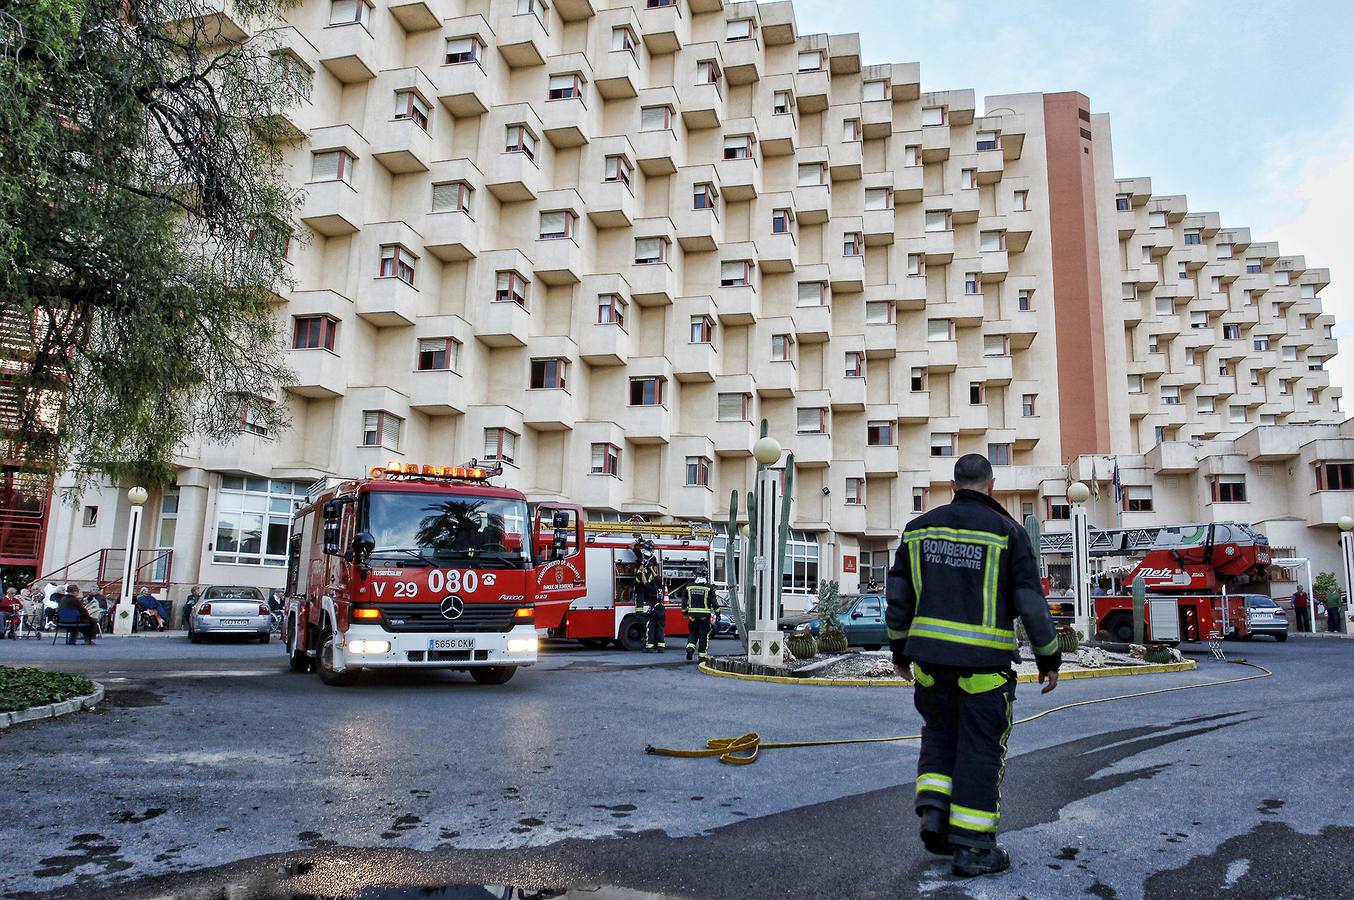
296 658
324 664
493 674
632 633
1120 628
1281 636
194 637
265 637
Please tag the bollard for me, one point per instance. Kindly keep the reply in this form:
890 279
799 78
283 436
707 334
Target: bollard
1139 607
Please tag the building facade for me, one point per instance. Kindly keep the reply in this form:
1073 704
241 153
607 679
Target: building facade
601 241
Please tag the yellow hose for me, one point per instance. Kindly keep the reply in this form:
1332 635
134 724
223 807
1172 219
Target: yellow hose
744 750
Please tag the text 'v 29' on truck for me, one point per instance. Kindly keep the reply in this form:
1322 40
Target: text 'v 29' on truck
427 567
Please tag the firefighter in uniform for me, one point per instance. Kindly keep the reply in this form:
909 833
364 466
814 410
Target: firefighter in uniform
647 578
962 574
698 605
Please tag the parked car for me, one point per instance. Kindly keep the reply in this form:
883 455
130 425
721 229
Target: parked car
1264 616
724 624
861 618
226 609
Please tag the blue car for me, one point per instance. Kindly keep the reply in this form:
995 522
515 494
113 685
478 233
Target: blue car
861 618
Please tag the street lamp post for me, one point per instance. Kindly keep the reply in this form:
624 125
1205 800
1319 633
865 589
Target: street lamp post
1078 494
126 611
1347 560
766 645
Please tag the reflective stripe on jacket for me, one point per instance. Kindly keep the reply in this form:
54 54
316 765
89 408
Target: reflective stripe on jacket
698 600
962 574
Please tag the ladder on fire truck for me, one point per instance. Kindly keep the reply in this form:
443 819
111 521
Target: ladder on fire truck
1129 541
688 530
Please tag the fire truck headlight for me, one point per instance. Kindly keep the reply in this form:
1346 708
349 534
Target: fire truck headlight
369 646
523 645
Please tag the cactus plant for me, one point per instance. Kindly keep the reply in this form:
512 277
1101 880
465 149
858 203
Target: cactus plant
1068 640
1158 653
832 643
802 646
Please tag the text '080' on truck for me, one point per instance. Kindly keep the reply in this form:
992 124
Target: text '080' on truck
427 567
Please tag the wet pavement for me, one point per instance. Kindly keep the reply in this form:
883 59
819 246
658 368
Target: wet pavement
211 771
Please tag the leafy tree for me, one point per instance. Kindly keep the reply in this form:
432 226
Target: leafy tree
143 226
1324 584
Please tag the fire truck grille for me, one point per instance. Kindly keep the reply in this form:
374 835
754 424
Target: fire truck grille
477 617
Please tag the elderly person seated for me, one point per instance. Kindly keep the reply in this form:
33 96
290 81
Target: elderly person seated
11 613
152 606
72 616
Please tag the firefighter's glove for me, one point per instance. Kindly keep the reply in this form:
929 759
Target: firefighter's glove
1050 663
899 648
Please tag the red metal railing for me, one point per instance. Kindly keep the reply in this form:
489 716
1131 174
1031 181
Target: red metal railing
103 568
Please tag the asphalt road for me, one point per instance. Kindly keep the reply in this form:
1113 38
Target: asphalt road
211 771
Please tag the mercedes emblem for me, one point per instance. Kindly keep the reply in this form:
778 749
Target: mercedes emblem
452 607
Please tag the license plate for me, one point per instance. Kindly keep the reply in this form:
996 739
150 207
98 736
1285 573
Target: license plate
451 643
234 621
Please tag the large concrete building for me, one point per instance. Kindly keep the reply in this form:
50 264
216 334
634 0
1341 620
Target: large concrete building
600 241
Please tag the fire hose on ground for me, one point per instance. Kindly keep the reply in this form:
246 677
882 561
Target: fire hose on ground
745 750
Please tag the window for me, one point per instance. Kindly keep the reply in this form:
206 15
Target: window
314 333
1205 404
707 72
1027 402
520 140
565 86
651 251
811 61
942 445
1236 415
855 492
917 380
704 196
1170 395
548 374
463 50
1025 299
812 293
452 196
1123 202
919 497
1313 395
535 7
618 168
780 221
697 471
1128 291
1260 343
852 244
1215 284
1229 489
1254 266
968 179
1290 354
812 174
855 364
975 393
253 520
659 4
1193 237
1282 279
782 103
381 429
1231 332
611 310
655 118
702 329
999 454
996 345
1223 251
1164 306
349 12
988 140
937 220
850 130
734 408
1153 343
933 115
811 420
1146 254
1138 498
738 30
557 225
90 517
438 354
1156 219
646 391
511 287
623 39
781 345
1275 311
1021 201
1330 476
1198 319
939 330
874 90
879 434
736 273
1182 273
332 165
500 444
972 282
991 241
606 460
878 198
1248 299
1307 291
409 105
1135 384
738 146
912 155
916 264
879 312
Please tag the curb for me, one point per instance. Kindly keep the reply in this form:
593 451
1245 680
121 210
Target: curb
1188 665
52 710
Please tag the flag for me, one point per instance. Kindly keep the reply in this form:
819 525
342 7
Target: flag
1095 482
1118 483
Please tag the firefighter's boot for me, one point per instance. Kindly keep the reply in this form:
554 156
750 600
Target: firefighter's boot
970 861
690 651
935 831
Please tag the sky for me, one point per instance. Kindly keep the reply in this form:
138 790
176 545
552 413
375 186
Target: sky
1247 108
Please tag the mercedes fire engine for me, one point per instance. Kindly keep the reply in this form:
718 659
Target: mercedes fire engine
1191 573
427 566
612 609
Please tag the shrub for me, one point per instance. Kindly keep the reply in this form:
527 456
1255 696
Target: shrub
22 688
802 646
832 643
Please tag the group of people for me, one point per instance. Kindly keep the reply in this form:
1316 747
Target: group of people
1303 609
697 599
67 606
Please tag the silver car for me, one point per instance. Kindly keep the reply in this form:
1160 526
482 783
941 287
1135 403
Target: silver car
1264 616
231 610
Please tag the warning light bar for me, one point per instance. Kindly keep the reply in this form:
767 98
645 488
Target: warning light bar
394 470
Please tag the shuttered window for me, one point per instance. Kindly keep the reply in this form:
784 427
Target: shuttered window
451 196
500 444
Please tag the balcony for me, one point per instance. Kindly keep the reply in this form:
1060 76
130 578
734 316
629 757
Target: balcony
935 143
742 61
702 104
914 407
881 340
560 261
879 226
777 378
464 89
939 247
740 179
691 501
332 208
610 204
844 160
549 409
388 303
942 356
696 363
911 294
994 266
215 22
847 275
521 38
416 15
401 146
908 184
567 122
1327 507
1172 458
648 424
603 344
513 177
813 203
779 134
451 236
811 91
439 393
812 451
319 374
664 28
777 253
349 53
617 75
882 462
733 438
502 324
739 305
812 324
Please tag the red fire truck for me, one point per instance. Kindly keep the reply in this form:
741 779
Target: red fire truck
427 566
609 611
1192 574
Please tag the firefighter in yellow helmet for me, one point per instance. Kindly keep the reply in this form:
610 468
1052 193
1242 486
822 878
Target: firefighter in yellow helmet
648 577
698 605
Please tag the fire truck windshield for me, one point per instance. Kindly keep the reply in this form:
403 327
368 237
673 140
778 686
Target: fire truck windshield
434 529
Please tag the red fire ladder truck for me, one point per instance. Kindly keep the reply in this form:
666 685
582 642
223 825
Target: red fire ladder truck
610 610
1191 573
